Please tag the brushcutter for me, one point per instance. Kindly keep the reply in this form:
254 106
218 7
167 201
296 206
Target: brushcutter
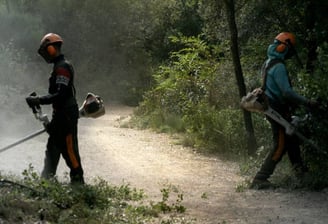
291 127
254 102
92 107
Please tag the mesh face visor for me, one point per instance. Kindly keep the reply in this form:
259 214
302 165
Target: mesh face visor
44 53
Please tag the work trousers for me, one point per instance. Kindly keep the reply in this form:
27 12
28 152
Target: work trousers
63 141
282 144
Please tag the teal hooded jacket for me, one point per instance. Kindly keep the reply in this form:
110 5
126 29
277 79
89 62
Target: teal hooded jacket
278 87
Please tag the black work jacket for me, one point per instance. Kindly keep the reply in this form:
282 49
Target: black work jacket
61 92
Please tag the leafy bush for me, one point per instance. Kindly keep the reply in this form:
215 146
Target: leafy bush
316 128
33 199
193 95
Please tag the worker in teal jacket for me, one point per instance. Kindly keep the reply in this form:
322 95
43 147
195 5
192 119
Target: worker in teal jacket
282 98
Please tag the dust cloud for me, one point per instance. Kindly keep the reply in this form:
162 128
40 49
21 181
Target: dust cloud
20 74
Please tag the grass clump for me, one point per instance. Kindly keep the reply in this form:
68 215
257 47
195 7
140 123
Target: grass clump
31 199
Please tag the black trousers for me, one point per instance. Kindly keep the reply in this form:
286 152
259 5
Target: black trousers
282 144
63 141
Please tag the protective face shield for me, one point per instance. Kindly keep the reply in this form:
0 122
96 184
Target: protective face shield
49 46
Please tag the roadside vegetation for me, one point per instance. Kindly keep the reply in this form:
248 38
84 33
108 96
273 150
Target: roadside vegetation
32 200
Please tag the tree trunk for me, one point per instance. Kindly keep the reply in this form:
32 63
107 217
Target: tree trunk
311 43
8 6
230 12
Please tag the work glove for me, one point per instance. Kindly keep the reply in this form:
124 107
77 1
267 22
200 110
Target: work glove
33 101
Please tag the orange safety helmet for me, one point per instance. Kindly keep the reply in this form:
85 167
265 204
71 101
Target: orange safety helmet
47 46
286 40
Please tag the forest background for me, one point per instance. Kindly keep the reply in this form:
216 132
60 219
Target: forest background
181 62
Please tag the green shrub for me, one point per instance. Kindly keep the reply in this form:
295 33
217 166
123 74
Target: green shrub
216 130
32 198
191 95
315 86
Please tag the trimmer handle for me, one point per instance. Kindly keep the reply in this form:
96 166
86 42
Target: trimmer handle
35 108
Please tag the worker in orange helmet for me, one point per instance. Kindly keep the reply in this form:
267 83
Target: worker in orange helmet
283 99
62 128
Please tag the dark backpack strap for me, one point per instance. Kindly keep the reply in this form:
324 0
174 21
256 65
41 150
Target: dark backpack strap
265 69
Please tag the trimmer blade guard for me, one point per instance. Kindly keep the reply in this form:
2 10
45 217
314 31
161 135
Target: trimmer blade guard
93 106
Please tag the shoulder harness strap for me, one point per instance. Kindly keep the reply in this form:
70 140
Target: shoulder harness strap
265 69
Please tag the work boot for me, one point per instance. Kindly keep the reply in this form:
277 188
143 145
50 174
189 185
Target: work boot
259 184
77 180
76 176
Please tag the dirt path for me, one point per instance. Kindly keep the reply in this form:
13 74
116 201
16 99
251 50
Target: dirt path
151 161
